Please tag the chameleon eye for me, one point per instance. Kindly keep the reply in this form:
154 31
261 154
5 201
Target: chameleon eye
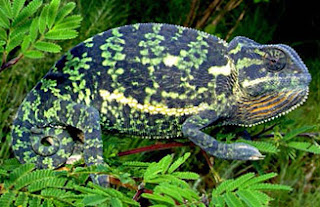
275 59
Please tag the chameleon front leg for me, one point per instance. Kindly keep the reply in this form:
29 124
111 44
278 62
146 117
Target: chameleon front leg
191 128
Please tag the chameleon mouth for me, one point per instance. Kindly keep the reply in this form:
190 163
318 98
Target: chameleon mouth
271 107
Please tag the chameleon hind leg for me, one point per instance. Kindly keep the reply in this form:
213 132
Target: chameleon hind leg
191 128
48 141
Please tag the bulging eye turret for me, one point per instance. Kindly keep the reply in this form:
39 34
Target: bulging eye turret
275 59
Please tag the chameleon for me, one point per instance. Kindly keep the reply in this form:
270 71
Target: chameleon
156 80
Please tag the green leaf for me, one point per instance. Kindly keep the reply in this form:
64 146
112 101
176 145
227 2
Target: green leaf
178 162
218 201
71 22
115 202
258 179
34 29
93 200
6 199
34 202
66 9
295 132
249 198
61 34
43 19
34 54
52 12
14 42
4 21
269 186
47 47
17 5
2 42
6 8
136 164
262 197
232 200
221 188
3 34
22 199
169 191
27 12
239 181
160 198
164 163
25 43
186 175
151 172
305 146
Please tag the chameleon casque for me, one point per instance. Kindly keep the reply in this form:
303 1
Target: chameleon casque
156 81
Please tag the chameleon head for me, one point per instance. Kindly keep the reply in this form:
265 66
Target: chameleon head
272 80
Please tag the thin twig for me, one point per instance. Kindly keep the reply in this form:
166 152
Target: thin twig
209 11
230 6
10 63
153 147
192 13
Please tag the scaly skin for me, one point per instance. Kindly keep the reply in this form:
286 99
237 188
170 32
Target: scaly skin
157 81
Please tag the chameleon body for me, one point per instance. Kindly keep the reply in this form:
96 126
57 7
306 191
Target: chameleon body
156 81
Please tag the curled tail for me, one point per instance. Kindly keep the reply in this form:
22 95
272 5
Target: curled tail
46 147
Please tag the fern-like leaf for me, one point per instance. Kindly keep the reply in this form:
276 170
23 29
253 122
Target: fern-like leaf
34 54
27 12
3 34
17 173
239 181
6 9
22 199
186 175
62 34
305 146
52 12
43 19
65 11
47 47
161 198
232 200
178 162
4 21
270 187
296 132
94 200
136 164
6 199
17 5
70 22
32 177
165 163
34 29
259 179
249 198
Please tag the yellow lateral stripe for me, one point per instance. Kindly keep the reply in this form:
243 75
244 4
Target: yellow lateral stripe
147 108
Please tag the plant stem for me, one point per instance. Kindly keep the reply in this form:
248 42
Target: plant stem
10 63
152 148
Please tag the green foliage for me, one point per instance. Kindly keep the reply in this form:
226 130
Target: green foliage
25 186
32 30
246 190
